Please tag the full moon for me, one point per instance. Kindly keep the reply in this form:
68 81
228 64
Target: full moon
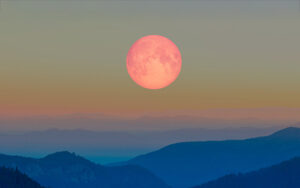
154 62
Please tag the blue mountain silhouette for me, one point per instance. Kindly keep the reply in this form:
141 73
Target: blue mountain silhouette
65 170
283 175
193 163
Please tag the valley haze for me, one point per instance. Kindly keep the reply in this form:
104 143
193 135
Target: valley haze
106 140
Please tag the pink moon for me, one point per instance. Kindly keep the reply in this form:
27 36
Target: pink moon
154 62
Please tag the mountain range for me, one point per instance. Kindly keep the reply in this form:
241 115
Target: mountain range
108 146
178 165
194 163
283 175
65 170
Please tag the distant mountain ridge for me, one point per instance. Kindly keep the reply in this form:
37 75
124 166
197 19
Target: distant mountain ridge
107 146
283 175
290 132
65 170
190 163
13 178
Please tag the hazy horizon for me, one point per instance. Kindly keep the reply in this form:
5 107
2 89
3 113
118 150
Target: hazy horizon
114 146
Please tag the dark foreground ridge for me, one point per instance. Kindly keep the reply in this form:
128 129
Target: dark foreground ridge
283 175
13 178
65 170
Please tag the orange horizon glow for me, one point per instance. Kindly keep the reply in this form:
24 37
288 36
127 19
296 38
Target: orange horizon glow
272 114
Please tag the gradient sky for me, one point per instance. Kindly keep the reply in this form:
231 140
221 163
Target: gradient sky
61 57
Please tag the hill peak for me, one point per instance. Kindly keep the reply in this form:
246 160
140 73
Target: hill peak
289 132
66 169
61 154
64 156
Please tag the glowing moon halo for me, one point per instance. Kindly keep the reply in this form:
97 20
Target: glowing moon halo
154 62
